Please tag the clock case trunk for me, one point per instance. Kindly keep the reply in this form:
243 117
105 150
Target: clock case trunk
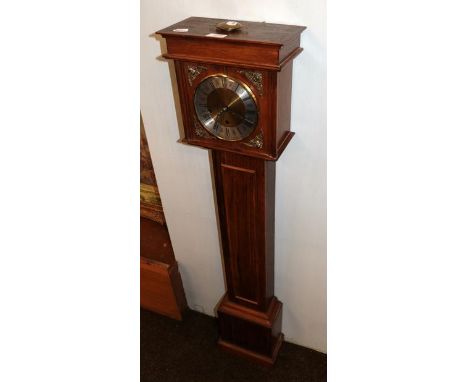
249 313
261 57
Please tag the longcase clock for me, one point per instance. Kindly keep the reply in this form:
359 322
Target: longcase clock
235 96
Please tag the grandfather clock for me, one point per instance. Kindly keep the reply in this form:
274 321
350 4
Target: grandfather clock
234 81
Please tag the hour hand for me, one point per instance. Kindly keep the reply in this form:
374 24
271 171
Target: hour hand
220 113
236 113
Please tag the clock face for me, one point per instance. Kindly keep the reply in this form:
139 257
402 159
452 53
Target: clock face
226 108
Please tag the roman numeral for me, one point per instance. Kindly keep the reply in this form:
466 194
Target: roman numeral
231 85
211 85
250 106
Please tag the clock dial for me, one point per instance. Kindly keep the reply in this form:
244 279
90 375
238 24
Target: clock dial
226 108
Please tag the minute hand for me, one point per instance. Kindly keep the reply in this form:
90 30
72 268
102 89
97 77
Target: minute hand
236 113
220 113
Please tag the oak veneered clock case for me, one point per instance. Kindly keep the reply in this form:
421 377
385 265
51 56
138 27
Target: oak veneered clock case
235 97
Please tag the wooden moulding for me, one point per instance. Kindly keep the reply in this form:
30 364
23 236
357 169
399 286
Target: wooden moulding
249 333
256 45
257 57
151 211
286 138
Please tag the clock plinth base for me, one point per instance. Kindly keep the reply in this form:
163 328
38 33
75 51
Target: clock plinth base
250 333
250 355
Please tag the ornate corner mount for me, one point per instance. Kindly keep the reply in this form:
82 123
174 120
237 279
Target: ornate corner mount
256 78
199 130
193 71
256 141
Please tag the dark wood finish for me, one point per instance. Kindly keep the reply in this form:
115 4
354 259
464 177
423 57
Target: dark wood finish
250 333
155 242
251 31
259 56
256 45
246 207
274 112
264 48
249 314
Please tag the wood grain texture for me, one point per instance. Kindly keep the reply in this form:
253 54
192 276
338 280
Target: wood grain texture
240 186
273 103
222 52
250 333
257 44
251 31
267 49
249 314
161 288
155 242
260 57
245 196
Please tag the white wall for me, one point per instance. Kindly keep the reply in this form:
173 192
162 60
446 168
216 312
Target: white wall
184 178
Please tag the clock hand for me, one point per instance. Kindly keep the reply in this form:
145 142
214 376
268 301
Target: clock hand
217 117
220 113
236 113
232 103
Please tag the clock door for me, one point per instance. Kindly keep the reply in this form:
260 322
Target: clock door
228 108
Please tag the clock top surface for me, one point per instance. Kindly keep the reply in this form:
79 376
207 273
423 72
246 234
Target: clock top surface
251 32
